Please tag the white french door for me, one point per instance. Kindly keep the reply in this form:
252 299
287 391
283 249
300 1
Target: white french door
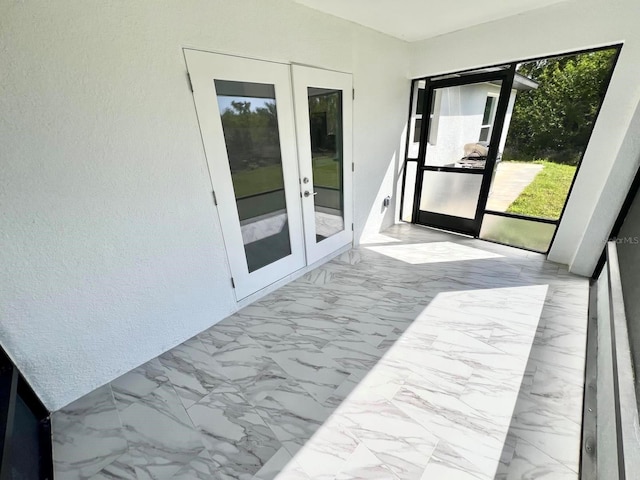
284 201
323 103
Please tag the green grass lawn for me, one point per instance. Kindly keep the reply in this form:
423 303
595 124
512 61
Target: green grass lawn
265 179
326 172
257 180
545 196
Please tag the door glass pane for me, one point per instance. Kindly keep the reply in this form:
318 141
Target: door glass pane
450 193
325 120
250 125
460 125
518 232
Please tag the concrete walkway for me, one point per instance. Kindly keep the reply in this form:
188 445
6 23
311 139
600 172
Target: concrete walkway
511 179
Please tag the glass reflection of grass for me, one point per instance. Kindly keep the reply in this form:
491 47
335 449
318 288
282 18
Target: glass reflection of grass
269 178
326 171
258 180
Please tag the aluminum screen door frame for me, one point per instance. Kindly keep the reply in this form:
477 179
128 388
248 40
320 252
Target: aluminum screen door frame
460 224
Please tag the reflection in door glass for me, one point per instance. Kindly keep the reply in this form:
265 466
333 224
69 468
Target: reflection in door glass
325 120
250 125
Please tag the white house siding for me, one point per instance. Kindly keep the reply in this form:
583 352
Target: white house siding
457 121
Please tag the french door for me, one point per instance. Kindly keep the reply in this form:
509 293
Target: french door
323 118
459 143
284 200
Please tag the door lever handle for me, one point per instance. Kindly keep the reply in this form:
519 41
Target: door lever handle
308 194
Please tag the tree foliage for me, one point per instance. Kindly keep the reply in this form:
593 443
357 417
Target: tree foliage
554 121
251 135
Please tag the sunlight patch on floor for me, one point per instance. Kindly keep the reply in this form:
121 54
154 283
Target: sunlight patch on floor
440 401
435 252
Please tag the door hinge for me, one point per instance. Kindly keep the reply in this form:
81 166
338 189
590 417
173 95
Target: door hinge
352 227
190 83
353 167
233 284
353 94
215 199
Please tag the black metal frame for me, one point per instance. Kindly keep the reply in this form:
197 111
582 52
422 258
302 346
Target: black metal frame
459 224
503 65
520 216
406 150
506 74
13 387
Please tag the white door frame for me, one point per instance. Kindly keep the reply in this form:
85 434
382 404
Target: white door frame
304 77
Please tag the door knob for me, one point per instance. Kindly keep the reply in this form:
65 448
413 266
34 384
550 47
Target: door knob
308 194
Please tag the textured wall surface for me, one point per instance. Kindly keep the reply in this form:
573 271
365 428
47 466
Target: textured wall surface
110 247
614 150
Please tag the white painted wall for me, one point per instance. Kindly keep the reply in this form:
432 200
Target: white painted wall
613 153
111 251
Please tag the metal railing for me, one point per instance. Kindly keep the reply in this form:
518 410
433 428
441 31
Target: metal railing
611 432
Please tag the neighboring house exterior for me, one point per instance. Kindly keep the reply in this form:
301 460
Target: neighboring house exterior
459 116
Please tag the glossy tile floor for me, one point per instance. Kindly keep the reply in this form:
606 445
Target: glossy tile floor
422 355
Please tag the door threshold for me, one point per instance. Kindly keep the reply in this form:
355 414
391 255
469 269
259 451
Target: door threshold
289 278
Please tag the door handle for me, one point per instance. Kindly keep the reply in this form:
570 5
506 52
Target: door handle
308 194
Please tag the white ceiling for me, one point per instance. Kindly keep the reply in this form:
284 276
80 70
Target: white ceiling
413 20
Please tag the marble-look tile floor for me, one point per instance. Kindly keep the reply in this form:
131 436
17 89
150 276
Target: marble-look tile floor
421 355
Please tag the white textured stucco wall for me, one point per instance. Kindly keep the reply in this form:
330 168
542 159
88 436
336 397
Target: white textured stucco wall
613 153
110 247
